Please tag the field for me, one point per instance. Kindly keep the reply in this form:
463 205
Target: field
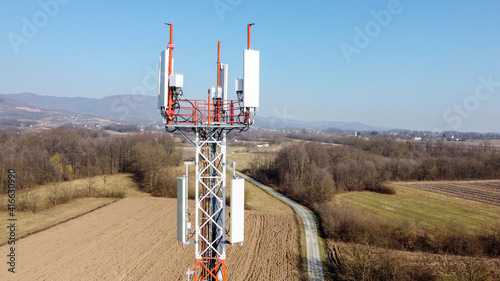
135 239
243 156
50 215
486 191
491 143
424 208
432 215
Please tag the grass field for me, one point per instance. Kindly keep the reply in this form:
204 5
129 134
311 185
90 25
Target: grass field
243 156
425 208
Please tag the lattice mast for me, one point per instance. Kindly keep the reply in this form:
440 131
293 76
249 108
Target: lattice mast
206 123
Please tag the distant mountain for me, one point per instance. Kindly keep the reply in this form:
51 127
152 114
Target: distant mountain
15 113
131 109
141 110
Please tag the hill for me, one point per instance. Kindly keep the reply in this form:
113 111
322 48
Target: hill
141 110
16 113
131 109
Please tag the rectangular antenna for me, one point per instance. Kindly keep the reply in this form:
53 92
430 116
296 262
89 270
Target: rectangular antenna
182 186
250 78
236 231
163 80
223 79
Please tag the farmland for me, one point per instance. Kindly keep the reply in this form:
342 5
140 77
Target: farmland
414 232
486 191
135 239
46 214
427 209
90 247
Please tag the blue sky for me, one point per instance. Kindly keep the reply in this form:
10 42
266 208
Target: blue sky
423 65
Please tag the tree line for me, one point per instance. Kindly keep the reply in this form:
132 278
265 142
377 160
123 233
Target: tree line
59 154
431 160
311 171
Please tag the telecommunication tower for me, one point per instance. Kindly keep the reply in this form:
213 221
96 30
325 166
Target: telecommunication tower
205 124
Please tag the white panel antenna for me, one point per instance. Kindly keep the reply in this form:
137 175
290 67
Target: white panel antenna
250 78
224 68
163 80
237 227
182 187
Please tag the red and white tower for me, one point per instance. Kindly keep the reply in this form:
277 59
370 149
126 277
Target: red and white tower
210 120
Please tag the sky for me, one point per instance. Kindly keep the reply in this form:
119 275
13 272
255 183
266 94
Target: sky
409 64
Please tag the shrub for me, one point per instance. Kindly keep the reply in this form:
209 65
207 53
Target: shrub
367 262
28 201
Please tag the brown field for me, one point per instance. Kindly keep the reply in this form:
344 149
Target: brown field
485 191
135 239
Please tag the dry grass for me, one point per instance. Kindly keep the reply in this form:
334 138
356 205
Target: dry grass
259 200
28 221
244 156
444 267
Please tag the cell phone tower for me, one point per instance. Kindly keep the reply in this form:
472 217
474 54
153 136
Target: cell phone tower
205 124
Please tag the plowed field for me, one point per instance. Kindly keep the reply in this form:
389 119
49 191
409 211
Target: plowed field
135 239
486 191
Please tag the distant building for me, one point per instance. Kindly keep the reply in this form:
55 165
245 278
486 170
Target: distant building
262 144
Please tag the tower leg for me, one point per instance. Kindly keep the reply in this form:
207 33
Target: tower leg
210 205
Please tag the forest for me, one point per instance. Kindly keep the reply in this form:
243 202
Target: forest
60 155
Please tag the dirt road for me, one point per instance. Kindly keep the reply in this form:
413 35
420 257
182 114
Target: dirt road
314 262
135 239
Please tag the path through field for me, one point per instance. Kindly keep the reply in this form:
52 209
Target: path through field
135 239
314 263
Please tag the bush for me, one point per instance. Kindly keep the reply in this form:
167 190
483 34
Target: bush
473 269
382 188
166 185
28 201
367 262
114 192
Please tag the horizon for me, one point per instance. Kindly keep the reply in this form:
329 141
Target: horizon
402 64
284 119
